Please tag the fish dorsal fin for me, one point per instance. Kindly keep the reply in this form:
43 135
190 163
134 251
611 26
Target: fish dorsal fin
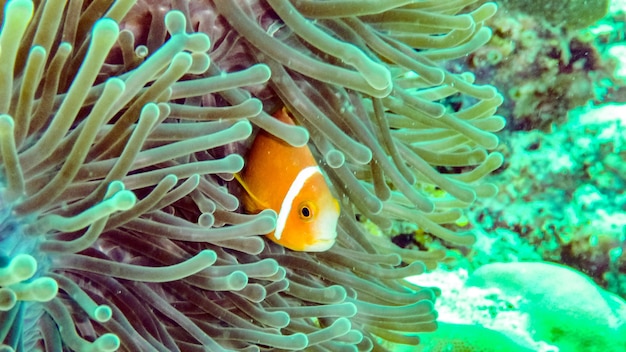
282 115
243 184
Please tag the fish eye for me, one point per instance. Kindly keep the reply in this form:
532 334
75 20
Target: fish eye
305 210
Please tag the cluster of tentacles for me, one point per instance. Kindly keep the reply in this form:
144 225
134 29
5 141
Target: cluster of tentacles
122 124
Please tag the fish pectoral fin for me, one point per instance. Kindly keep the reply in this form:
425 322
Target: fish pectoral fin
260 204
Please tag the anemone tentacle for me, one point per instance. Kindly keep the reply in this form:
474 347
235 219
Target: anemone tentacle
122 124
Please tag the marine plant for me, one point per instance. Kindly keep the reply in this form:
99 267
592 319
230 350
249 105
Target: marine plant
122 124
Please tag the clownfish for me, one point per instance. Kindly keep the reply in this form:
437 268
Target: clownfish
288 180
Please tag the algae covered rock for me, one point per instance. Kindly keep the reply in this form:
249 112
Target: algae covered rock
565 307
570 13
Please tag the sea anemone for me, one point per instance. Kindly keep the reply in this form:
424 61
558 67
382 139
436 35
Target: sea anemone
121 127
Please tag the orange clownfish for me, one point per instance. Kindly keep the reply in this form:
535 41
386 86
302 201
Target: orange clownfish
287 179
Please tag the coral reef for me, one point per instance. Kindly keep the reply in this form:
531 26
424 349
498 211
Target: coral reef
122 124
562 194
562 198
543 69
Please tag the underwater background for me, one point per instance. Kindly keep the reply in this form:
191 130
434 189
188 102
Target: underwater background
547 270
475 148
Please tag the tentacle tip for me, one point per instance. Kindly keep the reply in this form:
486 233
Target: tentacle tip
45 289
6 123
22 8
237 280
175 22
103 313
208 256
198 43
264 71
124 200
379 77
106 28
243 128
113 188
8 299
22 267
235 161
107 343
201 63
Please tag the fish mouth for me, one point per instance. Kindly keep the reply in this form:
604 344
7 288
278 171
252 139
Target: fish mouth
332 237
321 245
